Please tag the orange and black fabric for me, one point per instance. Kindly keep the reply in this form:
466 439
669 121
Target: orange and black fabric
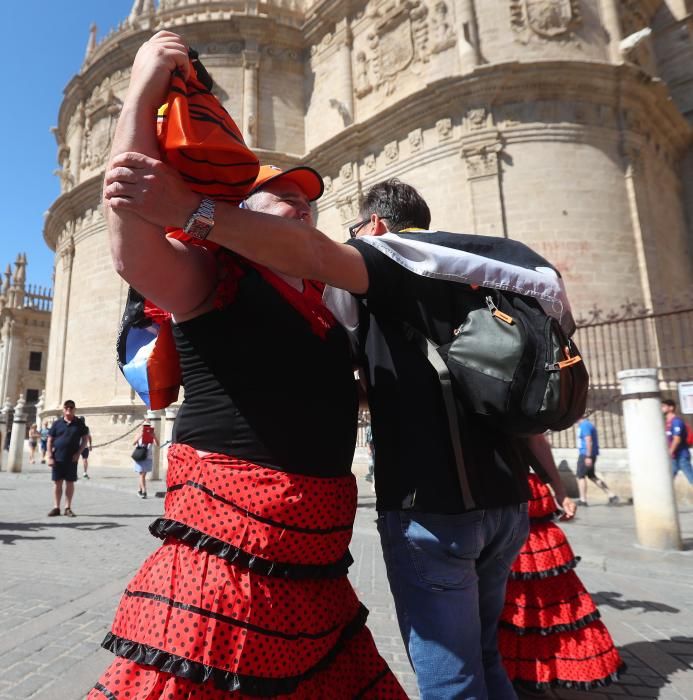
201 141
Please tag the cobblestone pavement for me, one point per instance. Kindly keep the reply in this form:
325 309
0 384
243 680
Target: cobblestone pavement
62 578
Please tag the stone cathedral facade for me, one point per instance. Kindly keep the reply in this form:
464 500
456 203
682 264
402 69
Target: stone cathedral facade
566 124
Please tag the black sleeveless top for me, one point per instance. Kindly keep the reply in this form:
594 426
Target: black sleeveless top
261 386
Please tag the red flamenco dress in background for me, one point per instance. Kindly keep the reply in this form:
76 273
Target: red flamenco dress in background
550 633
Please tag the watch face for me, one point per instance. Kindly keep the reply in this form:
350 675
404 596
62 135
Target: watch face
200 227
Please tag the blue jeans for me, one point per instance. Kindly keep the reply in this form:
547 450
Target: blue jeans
682 462
447 575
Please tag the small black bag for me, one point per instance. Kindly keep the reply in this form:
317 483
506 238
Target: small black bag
139 454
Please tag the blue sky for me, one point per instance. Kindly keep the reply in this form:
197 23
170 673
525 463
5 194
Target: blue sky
44 41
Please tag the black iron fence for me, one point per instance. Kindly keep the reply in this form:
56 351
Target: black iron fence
632 338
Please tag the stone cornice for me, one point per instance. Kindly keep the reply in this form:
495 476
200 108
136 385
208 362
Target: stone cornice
118 50
324 15
70 206
621 87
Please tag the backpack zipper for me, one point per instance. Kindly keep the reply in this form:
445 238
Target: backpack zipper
497 313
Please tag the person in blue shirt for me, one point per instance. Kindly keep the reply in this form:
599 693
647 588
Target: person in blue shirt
588 450
677 439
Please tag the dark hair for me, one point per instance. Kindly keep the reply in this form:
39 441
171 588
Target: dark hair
397 202
670 403
69 404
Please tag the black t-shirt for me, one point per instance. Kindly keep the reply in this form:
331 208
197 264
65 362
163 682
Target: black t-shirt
67 438
413 452
262 386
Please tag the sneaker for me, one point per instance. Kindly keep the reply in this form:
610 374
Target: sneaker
69 513
582 503
613 500
53 512
144 494
86 476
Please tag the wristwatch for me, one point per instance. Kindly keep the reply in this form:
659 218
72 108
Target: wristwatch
201 220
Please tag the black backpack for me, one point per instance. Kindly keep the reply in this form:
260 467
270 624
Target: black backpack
513 364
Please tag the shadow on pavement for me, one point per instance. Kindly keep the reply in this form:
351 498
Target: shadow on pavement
665 656
9 531
613 600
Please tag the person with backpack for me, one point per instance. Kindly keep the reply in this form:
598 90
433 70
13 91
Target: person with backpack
679 440
449 535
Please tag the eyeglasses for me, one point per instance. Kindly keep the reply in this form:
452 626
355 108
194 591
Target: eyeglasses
353 230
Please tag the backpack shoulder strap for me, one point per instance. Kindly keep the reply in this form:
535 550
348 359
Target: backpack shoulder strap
430 350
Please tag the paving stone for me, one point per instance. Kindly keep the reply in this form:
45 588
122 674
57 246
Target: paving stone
645 599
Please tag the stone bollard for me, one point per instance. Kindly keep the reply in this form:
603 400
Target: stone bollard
5 422
16 454
171 412
154 417
656 516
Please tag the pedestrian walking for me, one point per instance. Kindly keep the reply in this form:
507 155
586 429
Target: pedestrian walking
44 441
66 439
678 440
588 451
142 461
34 437
86 450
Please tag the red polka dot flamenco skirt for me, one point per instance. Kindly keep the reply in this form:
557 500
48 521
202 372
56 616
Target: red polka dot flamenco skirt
550 632
248 595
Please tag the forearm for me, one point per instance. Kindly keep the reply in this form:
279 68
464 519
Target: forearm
675 443
542 451
588 446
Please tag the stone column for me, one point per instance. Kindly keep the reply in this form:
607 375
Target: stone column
656 516
40 405
486 187
612 24
68 256
16 454
5 420
251 65
170 416
154 417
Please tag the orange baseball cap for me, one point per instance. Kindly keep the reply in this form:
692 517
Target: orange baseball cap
306 178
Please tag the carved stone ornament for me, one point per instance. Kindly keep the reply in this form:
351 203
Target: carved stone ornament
362 82
482 161
444 128
346 172
327 180
392 151
348 208
403 36
477 118
443 33
415 140
369 162
99 130
548 19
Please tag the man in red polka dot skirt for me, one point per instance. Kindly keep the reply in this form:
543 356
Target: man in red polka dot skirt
247 595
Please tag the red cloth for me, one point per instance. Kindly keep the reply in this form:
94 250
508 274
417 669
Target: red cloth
248 591
550 632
